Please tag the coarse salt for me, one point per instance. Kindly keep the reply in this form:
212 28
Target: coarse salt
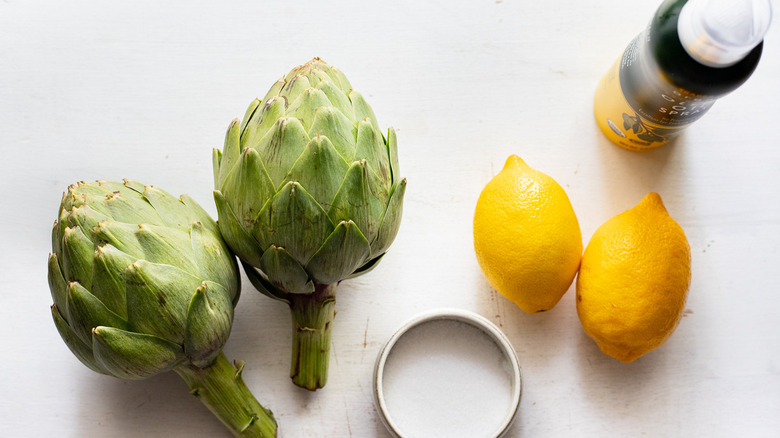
447 378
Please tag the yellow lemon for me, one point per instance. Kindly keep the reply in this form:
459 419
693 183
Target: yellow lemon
634 280
526 236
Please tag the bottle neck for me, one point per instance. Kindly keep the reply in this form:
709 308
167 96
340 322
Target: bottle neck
720 33
682 70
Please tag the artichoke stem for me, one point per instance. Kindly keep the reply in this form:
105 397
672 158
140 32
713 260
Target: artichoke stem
221 388
312 316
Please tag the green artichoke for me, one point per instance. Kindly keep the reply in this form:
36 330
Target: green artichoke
308 193
142 284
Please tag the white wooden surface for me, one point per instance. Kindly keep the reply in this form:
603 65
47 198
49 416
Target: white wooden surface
144 90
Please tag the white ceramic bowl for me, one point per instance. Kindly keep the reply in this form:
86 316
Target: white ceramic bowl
485 326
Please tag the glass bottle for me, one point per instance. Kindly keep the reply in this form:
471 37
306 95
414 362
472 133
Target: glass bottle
692 53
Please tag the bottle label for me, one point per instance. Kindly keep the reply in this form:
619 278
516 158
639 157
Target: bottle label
637 108
652 97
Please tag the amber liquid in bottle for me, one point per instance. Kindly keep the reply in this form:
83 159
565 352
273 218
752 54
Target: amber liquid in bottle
656 88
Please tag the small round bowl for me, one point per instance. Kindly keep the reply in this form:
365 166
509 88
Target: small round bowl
507 367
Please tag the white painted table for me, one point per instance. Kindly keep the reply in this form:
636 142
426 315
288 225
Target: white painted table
91 91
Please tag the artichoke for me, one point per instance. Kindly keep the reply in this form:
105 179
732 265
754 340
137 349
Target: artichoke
142 284
308 194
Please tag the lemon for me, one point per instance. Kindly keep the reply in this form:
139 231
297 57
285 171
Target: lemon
526 236
634 280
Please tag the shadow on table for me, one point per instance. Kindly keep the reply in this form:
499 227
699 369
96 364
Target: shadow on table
638 393
629 175
158 406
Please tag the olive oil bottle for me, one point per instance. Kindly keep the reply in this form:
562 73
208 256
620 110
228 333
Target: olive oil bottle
692 53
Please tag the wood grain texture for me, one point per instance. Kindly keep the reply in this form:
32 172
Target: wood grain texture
144 90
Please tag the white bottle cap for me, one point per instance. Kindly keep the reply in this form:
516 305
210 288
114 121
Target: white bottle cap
720 33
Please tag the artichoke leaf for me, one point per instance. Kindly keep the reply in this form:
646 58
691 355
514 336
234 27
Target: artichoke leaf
134 356
69 201
367 267
119 235
93 194
250 111
281 146
336 97
275 89
320 170
371 147
84 218
362 110
341 79
284 272
362 198
158 297
126 183
168 246
56 237
130 207
99 190
263 285
306 104
82 351
172 210
223 162
392 150
95 202
62 220
209 320
88 193
296 86
391 221
298 70
77 253
216 161
262 121
319 69
199 214
342 252
57 284
331 123
85 312
115 186
215 261
317 76
241 241
295 221
248 187
108 280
